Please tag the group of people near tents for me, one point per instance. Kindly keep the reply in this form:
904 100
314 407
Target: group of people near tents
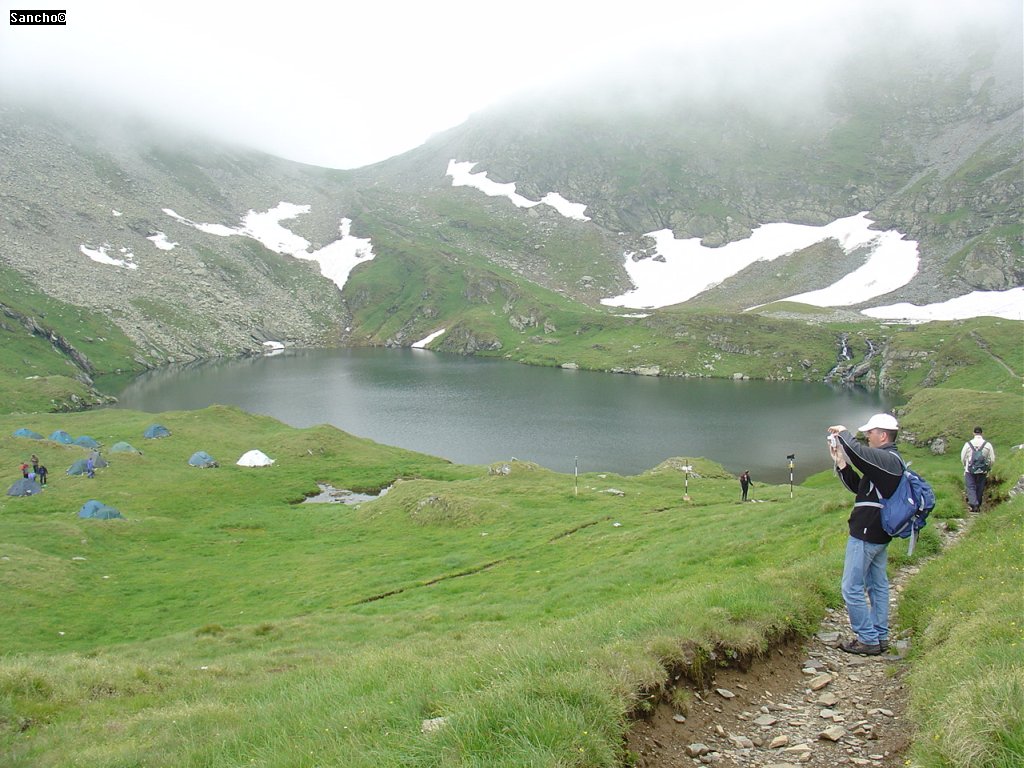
34 474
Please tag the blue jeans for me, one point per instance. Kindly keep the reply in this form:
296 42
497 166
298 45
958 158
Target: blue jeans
866 589
975 487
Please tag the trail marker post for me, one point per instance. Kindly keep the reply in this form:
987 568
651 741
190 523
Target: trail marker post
791 458
687 469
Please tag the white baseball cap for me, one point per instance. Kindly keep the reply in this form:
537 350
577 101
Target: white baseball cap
880 421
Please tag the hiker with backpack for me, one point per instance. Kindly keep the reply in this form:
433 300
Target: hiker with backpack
745 483
872 472
977 456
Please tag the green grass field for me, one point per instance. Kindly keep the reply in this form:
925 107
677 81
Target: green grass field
221 623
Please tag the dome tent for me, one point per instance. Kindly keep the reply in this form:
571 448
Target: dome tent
98 511
80 467
123 447
255 458
86 442
24 487
155 431
202 459
27 433
60 436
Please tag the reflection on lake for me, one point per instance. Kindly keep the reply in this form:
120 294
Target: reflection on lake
478 411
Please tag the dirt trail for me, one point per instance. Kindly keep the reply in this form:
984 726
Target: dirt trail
805 704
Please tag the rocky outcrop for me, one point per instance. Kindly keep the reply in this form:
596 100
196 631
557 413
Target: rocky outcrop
59 343
463 340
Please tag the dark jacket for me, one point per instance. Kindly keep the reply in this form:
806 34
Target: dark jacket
881 469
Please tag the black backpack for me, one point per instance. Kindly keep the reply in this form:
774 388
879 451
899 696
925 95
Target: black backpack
979 463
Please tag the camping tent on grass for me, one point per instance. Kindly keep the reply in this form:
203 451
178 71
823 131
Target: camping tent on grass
27 433
123 447
254 458
60 436
202 459
98 511
155 431
78 468
86 442
24 487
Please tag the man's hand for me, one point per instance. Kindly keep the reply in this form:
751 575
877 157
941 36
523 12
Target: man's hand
835 448
838 455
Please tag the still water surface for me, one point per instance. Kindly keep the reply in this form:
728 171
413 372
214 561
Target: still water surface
478 411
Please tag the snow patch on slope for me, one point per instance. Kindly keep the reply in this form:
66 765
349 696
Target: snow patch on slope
337 259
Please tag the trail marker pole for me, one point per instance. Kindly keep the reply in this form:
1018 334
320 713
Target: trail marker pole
686 481
576 474
791 457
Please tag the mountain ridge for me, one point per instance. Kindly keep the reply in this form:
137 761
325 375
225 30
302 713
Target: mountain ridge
929 147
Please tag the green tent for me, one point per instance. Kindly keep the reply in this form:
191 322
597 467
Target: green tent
123 447
98 511
78 468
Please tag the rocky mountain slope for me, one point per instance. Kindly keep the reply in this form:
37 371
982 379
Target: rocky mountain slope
926 137
70 182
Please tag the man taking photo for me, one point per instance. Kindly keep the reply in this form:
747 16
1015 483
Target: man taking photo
872 472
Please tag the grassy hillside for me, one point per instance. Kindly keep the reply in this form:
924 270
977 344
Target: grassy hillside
968 684
49 350
220 623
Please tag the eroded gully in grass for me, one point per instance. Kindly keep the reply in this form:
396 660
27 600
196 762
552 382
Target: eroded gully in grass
804 703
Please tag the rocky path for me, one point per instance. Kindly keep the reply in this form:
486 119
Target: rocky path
807 704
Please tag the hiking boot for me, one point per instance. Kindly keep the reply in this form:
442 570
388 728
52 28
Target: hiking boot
861 649
883 644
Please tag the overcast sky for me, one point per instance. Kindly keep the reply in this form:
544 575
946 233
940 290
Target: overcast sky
347 84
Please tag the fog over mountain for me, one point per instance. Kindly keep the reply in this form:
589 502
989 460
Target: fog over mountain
343 87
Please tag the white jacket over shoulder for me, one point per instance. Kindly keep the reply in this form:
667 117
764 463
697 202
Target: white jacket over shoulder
978 441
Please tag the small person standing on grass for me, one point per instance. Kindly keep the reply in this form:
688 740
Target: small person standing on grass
90 468
41 474
745 483
24 470
865 584
35 463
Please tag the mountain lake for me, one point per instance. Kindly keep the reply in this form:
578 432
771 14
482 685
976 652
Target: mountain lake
480 411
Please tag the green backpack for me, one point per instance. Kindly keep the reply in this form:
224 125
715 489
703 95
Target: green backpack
979 463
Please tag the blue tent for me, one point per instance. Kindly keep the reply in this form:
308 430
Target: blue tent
98 511
27 433
60 436
156 430
123 447
202 459
86 442
24 487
